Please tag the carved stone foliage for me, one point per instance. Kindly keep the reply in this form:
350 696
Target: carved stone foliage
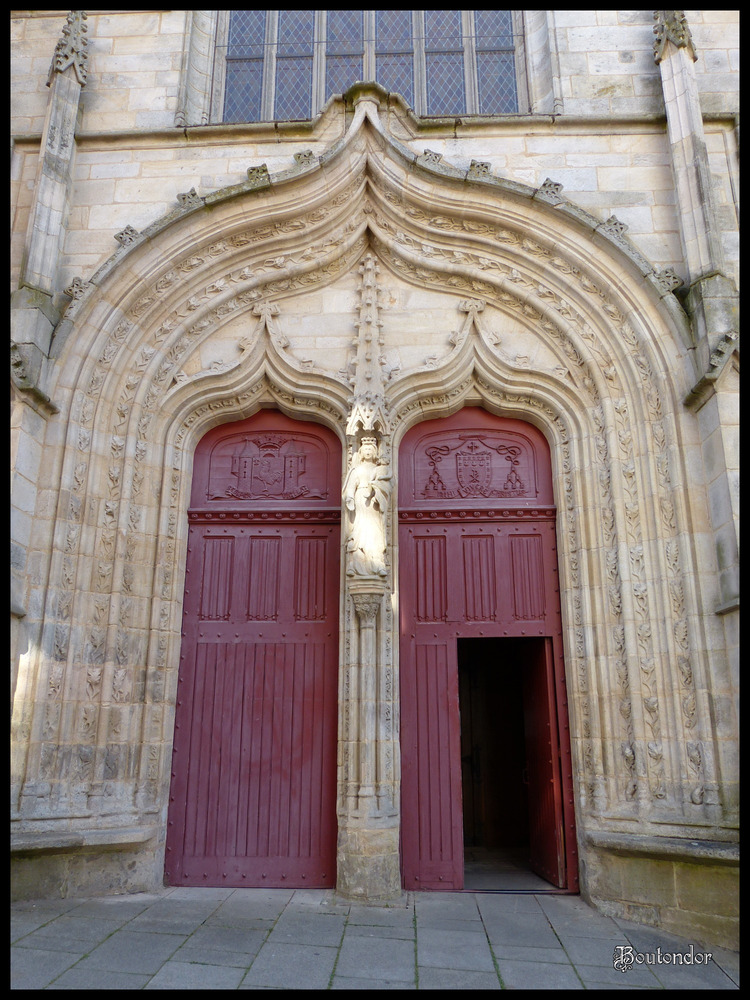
72 48
672 26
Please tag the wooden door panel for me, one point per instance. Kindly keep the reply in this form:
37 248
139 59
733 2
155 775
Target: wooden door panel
527 576
546 849
433 851
477 555
480 583
253 793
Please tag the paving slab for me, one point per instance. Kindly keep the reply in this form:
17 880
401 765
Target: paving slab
35 969
382 916
219 939
74 934
97 979
374 958
181 916
295 927
133 951
216 945
538 976
194 976
405 932
460 949
292 967
455 979
344 983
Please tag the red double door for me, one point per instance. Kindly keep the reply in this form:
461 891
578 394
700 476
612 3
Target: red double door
485 755
253 790
484 739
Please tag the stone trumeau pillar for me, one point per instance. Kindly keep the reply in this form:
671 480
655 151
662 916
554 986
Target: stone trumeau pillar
712 297
368 805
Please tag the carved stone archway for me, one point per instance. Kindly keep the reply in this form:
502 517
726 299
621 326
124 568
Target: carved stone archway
534 310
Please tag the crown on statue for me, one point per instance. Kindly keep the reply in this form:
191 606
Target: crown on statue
369 440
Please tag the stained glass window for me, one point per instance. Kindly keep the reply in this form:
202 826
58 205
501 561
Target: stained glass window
444 62
294 65
245 54
344 50
394 52
282 65
496 67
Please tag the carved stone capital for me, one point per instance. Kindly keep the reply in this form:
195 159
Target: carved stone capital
258 176
305 158
471 305
672 26
367 604
430 156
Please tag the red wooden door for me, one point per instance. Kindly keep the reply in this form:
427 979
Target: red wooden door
478 560
252 798
546 834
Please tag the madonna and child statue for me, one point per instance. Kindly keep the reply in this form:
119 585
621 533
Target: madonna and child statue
366 492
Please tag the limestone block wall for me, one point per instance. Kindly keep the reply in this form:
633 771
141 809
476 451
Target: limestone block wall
132 161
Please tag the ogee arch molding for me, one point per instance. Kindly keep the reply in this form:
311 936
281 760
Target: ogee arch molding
547 315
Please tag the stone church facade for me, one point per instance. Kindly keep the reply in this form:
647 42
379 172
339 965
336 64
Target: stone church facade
478 359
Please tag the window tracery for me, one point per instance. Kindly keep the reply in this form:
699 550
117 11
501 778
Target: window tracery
284 65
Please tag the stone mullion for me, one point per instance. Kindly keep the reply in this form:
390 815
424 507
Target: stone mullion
115 687
588 749
155 379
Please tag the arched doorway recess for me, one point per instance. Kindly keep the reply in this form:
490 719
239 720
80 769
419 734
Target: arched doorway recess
485 745
253 789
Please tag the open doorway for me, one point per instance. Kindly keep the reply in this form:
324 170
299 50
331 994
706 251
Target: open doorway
510 766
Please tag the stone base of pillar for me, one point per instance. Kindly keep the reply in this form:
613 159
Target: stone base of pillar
368 865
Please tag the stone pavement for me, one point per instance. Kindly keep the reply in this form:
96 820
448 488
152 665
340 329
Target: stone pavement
224 939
